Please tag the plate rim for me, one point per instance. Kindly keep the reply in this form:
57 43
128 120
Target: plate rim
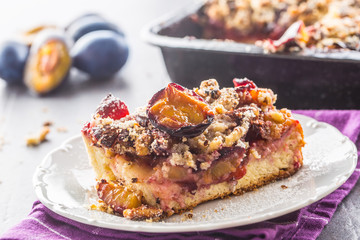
39 186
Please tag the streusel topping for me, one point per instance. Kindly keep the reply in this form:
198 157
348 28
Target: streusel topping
236 123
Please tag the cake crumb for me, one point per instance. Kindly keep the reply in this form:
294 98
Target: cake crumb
284 187
101 206
36 140
187 216
47 123
94 207
61 129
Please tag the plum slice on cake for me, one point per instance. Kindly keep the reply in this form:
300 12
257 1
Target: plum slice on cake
190 146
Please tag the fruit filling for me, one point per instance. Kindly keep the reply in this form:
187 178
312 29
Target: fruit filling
112 107
179 111
117 196
243 84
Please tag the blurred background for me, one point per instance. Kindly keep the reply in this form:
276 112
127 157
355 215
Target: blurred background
23 113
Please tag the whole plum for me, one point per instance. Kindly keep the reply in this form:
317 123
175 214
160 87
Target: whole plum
49 62
89 23
100 54
13 56
89 14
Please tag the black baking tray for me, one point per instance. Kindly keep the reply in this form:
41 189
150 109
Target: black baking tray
306 80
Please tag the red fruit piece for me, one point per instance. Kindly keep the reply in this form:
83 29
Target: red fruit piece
243 84
86 128
239 173
112 107
179 111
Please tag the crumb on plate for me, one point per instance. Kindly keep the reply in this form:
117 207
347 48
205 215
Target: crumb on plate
187 216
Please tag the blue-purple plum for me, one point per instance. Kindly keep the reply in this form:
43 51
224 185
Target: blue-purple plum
101 54
13 56
90 23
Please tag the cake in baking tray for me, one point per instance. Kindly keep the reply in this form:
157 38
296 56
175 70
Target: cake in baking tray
190 146
286 25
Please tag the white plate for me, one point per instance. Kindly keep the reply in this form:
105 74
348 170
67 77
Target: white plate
64 183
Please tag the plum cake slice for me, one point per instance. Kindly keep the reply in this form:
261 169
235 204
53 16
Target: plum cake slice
190 146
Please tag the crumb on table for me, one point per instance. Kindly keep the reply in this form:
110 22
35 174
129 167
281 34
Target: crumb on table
36 140
47 123
61 129
284 187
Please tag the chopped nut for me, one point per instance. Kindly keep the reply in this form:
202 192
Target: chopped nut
278 117
255 154
215 144
204 165
284 187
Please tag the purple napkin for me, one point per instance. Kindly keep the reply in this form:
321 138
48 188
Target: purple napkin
306 223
